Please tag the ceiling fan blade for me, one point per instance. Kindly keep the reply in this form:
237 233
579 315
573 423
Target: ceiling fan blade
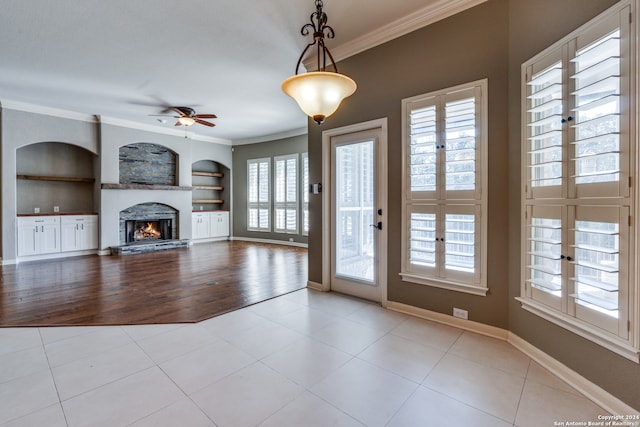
205 116
204 122
179 111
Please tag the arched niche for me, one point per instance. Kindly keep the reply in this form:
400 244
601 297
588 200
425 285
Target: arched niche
211 182
147 163
55 174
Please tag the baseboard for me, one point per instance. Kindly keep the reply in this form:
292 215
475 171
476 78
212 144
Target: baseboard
595 393
272 241
8 262
55 255
315 286
208 240
467 325
592 391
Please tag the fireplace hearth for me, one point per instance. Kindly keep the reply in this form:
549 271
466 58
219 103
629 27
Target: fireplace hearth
141 231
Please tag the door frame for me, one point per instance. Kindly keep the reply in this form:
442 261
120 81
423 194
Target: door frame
382 189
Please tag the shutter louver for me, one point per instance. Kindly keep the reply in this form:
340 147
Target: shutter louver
545 127
422 157
460 158
597 111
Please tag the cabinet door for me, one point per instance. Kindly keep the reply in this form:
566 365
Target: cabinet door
26 237
69 235
220 224
50 236
89 232
200 225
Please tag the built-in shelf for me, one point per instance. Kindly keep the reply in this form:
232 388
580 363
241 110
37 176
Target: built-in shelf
214 174
208 187
207 201
56 178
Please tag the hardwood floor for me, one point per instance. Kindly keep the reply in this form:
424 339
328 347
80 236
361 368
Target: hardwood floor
181 285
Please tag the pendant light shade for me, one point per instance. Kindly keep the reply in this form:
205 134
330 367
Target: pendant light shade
319 93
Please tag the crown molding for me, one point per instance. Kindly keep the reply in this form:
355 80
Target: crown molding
162 130
96 118
435 12
272 137
9 104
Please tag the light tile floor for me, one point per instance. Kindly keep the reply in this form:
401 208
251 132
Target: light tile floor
303 359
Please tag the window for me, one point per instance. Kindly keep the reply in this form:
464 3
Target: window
305 194
286 194
444 150
258 195
577 197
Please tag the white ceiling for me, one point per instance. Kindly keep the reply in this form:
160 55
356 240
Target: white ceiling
124 59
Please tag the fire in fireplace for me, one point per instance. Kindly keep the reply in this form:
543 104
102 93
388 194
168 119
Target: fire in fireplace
140 231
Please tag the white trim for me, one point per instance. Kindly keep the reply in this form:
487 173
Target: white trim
173 131
467 325
382 194
577 327
55 255
48 111
590 390
8 262
272 137
207 240
96 118
435 12
452 286
316 286
273 241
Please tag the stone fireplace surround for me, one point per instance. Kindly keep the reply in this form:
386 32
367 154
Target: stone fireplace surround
147 189
147 212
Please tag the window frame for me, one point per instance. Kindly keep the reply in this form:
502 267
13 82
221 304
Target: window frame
260 206
613 201
286 205
441 199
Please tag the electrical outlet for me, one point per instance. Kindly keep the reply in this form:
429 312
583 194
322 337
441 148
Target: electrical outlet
291 239
36 210
460 313
56 208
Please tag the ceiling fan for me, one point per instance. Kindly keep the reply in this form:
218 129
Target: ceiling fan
187 116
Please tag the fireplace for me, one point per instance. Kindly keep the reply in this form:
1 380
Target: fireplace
146 230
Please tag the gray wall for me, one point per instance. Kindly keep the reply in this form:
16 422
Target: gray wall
466 47
531 29
242 153
490 41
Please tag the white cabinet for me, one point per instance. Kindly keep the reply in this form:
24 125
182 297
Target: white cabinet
206 225
38 235
219 222
79 232
200 225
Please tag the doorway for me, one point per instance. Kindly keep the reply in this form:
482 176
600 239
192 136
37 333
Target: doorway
355 210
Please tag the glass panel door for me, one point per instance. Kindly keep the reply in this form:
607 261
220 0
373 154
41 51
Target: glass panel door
356 219
354 210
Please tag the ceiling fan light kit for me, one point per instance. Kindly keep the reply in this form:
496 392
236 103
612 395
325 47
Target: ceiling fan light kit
187 116
319 93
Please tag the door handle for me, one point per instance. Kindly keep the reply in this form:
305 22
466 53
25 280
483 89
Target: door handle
378 225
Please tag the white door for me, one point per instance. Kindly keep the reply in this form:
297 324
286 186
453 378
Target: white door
357 214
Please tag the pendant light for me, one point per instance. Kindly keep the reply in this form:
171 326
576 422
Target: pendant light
319 93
